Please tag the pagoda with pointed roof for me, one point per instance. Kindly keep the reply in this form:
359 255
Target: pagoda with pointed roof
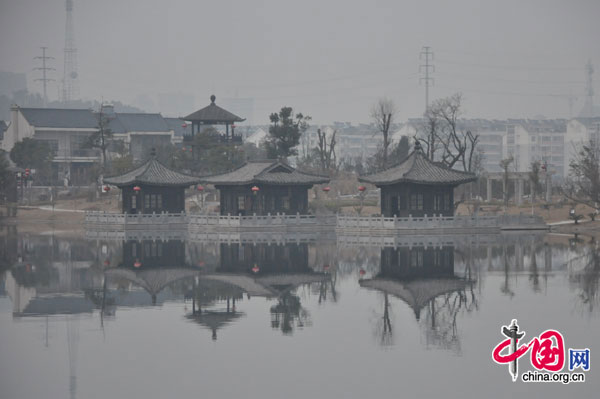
214 115
152 188
264 186
418 186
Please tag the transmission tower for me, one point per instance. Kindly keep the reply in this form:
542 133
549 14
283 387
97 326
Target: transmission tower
70 84
426 56
44 68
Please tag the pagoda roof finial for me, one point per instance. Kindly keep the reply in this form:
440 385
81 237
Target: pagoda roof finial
213 98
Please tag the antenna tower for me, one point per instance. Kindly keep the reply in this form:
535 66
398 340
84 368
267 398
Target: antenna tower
44 79
70 83
588 108
427 68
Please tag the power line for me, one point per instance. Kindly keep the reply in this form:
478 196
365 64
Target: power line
426 54
44 79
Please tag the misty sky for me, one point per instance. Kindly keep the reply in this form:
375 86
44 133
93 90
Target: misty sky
328 59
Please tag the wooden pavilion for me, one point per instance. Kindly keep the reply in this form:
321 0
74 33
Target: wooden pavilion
418 186
214 115
152 188
262 187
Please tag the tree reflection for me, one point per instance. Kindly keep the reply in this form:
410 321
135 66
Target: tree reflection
585 274
289 314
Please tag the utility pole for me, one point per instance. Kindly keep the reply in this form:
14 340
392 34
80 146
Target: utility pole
44 69
427 68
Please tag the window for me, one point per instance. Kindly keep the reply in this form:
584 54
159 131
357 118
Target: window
153 201
285 203
416 258
134 250
447 201
402 202
416 202
438 202
133 201
241 203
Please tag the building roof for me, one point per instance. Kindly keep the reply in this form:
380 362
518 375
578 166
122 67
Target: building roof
152 172
417 168
213 114
137 122
265 172
179 127
60 118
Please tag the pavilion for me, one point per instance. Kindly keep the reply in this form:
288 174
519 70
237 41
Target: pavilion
263 187
152 188
418 186
214 115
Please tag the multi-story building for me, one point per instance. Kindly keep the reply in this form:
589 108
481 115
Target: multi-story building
67 132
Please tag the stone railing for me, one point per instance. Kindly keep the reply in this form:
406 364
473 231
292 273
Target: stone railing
139 219
504 222
260 221
212 222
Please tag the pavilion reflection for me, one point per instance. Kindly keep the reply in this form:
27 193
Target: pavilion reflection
261 269
424 278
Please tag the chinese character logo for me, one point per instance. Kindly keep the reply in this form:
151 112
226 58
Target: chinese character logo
547 350
579 358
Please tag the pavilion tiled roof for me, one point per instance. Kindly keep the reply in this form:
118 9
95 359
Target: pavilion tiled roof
213 114
152 172
417 168
265 172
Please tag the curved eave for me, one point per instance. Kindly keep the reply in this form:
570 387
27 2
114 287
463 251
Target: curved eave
425 183
141 182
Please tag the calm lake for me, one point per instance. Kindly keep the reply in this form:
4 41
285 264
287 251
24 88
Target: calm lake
288 316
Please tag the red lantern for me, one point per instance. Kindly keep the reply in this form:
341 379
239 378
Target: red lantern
137 263
255 190
200 264
362 272
27 172
184 125
106 189
137 189
255 269
106 262
361 188
326 189
200 188
326 267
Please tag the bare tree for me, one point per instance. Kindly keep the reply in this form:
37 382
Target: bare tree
534 179
382 114
505 164
583 184
441 132
326 150
101 138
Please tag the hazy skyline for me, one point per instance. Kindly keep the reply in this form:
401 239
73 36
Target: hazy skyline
330 60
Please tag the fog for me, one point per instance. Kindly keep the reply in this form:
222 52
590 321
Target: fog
327 59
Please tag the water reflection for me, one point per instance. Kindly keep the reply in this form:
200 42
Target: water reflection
425 280
421 291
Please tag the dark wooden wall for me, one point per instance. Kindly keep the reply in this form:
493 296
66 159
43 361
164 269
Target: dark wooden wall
405 199
151 253
241 258
417 262
160 199
269 199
